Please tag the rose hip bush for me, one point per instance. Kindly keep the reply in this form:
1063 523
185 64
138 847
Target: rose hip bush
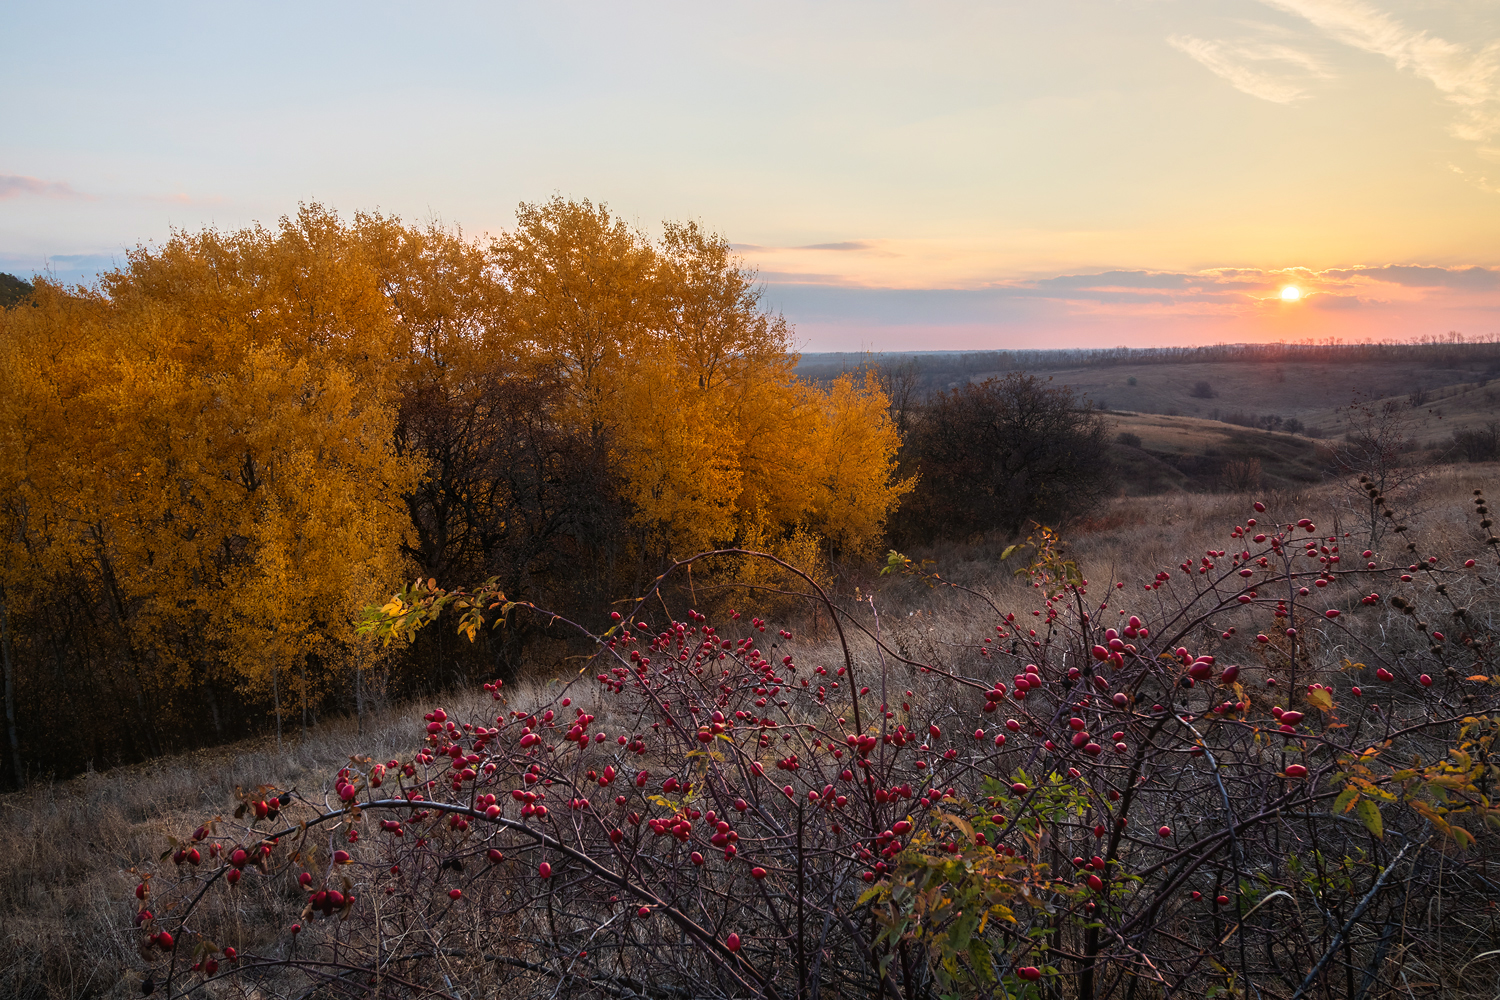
1254 772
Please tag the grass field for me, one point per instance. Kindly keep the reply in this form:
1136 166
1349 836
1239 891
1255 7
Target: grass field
66 879
1190 453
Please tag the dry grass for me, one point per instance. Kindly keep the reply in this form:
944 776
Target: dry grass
1137 538
1306 391
66 887
66 883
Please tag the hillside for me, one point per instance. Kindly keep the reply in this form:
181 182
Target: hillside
1193 454
1306 385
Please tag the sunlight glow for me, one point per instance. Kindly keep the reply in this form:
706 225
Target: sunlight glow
1291 293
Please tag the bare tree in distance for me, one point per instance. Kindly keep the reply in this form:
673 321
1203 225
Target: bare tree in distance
1375 458
901 382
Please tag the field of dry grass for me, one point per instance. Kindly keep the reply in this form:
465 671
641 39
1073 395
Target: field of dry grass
1308 392
66 880
65 883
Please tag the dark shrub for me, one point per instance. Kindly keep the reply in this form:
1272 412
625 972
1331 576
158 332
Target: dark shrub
1000 454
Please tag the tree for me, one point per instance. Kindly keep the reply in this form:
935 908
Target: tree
13 290
200 483
1374 460
1002 453
233 441
578 280
1479 444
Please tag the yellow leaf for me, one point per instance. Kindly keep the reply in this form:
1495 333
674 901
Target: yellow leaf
1320 699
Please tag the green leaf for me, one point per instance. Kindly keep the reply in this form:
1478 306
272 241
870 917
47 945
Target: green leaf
1004 555
1345 801
1368 813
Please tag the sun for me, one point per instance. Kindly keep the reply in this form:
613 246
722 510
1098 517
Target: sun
1291 293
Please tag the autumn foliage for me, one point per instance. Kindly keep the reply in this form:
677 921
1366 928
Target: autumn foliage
212 460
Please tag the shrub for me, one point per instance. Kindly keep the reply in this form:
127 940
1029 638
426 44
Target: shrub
999 454
1128 439
1183 763
1202 390
1241 475
1479 444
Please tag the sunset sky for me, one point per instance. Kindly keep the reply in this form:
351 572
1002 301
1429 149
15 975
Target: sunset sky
904 176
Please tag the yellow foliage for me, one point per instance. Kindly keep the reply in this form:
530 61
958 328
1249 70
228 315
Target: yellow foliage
668 351
210 444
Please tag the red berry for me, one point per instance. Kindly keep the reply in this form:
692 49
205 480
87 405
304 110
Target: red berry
732 942
1165 831
544 870
757 873
455 894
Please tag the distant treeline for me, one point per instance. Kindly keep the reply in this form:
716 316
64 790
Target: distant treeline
1483 355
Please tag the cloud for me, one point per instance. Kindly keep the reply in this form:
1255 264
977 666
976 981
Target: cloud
1424 275
14 186
1214 294
847 245
1467 78
1144 279
1332 300
1243 66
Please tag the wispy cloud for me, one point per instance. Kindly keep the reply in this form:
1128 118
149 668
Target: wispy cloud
15 186
1271 72
1362 302
846 245
1467 77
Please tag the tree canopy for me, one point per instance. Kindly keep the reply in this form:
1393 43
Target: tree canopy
217 455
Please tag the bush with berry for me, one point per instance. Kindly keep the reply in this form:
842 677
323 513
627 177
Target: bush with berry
1255 774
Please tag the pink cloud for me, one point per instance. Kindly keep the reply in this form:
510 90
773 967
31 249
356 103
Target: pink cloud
14 186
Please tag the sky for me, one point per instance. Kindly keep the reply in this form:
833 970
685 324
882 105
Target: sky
904 176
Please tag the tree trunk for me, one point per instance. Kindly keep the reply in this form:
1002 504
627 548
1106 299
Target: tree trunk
10 697
276 697
213 708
